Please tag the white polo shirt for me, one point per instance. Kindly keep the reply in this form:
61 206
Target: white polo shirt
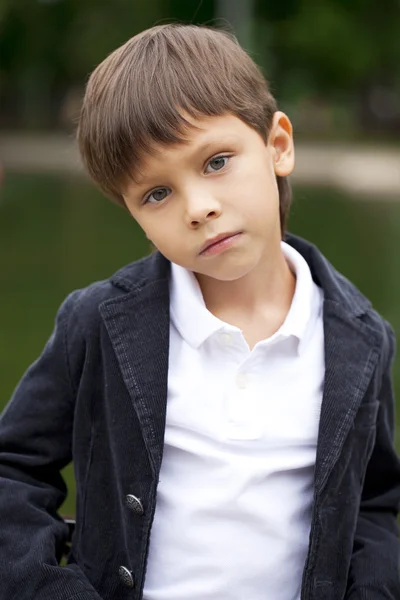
235 494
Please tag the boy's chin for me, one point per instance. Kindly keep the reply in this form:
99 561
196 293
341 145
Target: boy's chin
225 274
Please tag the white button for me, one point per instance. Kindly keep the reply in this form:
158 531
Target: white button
241 381
226 339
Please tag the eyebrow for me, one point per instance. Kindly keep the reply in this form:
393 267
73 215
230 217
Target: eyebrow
202 148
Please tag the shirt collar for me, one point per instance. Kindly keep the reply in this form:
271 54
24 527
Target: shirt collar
305 302
195 323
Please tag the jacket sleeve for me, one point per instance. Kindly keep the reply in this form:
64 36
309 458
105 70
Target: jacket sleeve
35 444
375 566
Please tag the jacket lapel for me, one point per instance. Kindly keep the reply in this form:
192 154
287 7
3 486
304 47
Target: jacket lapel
138 327
351 355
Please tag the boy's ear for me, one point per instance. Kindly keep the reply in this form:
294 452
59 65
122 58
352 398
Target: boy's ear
280 140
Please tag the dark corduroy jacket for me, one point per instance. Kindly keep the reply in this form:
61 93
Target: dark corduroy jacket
98 394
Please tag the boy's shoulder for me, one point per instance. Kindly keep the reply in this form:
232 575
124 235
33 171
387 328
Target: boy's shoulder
82 305
339 292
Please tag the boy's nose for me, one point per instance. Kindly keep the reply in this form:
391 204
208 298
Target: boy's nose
200 210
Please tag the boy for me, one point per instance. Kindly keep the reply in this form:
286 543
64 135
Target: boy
227 400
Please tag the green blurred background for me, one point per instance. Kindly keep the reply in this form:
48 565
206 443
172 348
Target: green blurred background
334 69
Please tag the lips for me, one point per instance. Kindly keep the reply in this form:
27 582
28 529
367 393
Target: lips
217 239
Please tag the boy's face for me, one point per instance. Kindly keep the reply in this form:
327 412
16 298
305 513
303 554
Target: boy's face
221 182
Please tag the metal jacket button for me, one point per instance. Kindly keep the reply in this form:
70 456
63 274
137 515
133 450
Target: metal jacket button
134 504
126 577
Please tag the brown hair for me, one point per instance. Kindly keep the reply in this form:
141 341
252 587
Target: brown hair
137 96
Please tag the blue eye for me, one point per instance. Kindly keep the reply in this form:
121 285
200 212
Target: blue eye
217 163
157 196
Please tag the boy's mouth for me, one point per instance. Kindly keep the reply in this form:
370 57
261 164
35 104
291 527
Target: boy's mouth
218 243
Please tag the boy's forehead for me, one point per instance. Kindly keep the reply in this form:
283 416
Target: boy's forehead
197 132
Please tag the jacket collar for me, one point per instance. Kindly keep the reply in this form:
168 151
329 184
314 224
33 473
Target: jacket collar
336 287
135 276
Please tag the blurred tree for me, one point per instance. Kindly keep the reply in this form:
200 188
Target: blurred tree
31 61
335 51
99 26
47 47
196 11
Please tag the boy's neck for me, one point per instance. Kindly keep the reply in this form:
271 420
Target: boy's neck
258 303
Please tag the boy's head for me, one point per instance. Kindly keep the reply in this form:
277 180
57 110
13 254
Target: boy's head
157 93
